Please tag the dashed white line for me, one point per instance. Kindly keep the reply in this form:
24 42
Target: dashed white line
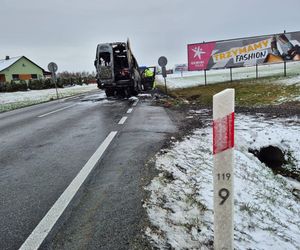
57 110
41 231
129 110
135 103
122 121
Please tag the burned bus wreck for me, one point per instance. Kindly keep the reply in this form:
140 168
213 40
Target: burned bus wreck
117 69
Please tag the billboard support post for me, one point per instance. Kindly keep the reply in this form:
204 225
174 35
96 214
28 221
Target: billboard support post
230 74
284 68
205 79
256 69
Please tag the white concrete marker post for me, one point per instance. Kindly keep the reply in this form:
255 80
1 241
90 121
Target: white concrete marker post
223 150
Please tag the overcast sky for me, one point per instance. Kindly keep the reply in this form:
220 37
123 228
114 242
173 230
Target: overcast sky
67 32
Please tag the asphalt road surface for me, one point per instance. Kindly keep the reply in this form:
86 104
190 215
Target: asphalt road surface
71 171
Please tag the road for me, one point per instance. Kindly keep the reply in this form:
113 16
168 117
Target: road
71 172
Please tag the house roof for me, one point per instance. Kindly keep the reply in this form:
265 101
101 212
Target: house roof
6 63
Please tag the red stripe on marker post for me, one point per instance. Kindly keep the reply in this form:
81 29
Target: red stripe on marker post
223 133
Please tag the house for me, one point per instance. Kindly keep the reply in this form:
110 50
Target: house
19 68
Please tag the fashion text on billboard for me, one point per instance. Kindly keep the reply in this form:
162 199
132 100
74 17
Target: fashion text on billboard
244 51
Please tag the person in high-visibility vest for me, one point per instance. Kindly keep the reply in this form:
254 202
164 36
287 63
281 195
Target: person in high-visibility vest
148 73
149 79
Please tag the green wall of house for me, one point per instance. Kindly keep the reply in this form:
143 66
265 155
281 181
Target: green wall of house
22 67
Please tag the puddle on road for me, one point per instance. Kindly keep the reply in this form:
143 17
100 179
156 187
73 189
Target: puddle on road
94 98
101 97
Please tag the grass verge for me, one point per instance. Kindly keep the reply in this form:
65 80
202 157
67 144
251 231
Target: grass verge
21 104
248 93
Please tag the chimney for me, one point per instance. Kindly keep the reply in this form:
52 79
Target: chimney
7 58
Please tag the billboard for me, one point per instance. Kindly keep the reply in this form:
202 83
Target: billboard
244 51
180 67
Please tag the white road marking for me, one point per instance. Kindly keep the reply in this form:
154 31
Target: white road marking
74 98
123 119
135 103
52 112
129 110
41 231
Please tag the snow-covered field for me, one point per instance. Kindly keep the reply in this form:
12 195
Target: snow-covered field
190 79
9 101
180 207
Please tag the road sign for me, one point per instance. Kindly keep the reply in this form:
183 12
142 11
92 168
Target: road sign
162 61
52 67
164 71
223 150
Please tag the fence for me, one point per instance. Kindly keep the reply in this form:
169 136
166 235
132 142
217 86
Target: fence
196 78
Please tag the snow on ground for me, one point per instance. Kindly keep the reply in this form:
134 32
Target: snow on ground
190 79
290 80
180 207
44 94
12 100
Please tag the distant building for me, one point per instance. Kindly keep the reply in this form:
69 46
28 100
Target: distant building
19 68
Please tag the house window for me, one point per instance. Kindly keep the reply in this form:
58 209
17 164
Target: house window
15 77
34 76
